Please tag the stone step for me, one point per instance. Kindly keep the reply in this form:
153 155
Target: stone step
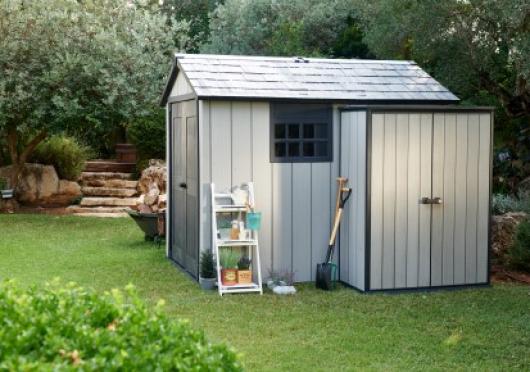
107 202
76 209
109 166
108 191
105 215
116 183
86 176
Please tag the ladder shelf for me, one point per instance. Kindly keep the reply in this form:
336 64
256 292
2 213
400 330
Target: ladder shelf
250 245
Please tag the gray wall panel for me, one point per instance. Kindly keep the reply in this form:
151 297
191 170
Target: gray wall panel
483 198
389 201
473 136
282 218
301 224
424 258
321 193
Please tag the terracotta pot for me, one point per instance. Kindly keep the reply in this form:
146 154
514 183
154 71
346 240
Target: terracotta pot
244 276
229 276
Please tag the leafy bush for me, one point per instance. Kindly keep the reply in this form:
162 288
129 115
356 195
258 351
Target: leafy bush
519 253
66 154
148 134
207 265
58 328
506 203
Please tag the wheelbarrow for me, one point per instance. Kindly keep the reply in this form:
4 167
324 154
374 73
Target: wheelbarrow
152 224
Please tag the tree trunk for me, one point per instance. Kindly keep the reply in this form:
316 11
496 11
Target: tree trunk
19 159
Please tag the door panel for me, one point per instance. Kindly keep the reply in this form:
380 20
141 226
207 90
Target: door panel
400 225
184 186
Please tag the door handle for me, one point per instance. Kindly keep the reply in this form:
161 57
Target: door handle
435 200
183 185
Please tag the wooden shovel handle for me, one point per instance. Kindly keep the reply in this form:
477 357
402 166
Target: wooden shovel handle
338 216
342 181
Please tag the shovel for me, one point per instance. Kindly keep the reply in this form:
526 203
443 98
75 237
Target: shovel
326 271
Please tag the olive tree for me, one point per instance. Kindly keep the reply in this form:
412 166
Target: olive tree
78 66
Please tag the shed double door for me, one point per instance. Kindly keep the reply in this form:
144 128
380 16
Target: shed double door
183 248
417 240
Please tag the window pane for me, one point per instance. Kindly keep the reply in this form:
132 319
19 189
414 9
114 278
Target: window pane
321 131
279 149
309 149
294 149
321 149
279 131
309 131
294 131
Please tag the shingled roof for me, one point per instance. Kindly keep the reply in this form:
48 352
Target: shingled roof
220 76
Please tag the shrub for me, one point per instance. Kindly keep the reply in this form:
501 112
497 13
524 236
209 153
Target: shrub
506 203
207 265
56 328
519 254
148 134
66 154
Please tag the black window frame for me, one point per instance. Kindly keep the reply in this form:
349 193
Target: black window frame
302 116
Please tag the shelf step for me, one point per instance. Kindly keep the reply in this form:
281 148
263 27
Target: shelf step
230 208
235 243
240 286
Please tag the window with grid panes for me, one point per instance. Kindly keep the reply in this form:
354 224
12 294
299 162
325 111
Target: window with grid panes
301 133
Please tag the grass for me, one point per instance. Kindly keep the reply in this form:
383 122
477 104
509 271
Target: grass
484 329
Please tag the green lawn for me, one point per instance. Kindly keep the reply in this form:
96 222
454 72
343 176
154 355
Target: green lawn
486 329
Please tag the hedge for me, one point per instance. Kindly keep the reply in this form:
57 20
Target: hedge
69 327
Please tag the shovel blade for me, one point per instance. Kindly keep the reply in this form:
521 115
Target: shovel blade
324 277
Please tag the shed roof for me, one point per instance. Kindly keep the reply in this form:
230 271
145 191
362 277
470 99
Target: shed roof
230 76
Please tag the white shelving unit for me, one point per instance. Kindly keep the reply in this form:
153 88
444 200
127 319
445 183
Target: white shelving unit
219 208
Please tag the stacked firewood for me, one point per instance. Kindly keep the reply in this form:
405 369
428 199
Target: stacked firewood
152 186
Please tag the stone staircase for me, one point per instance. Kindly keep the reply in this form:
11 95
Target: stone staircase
108 189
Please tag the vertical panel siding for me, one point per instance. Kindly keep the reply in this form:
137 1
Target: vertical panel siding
241 143
413 192
221 144
295 200
262 177
301 220
483 198
389 201
353 166
402 183
376 210
449 199
424 259
459 271
437 191
473 136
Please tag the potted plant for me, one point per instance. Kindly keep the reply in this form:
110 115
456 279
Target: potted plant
207 272
229 260
244 274
5 191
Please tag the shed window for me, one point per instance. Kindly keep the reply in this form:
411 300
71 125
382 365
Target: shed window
301 133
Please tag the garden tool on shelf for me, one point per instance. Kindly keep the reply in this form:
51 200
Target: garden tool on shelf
327 271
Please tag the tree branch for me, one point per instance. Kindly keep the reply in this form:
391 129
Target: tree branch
31 145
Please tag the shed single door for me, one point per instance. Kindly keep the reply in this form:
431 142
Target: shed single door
184 186
416 158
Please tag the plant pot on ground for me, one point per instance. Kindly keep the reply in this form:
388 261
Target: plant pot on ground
207 273
229 260
244 274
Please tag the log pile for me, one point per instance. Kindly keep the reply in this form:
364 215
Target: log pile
503 229
152 187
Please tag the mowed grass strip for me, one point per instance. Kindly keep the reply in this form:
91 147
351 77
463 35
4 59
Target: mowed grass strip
483 329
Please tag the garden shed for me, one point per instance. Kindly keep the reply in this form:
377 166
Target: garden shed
419 166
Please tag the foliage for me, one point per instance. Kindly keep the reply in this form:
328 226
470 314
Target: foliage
207 265
244 263
502 203
66 155
285 27
228 259
519 253
66 328
148 134
85 67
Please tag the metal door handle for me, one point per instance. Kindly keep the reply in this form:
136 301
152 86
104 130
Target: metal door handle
435 200
183 185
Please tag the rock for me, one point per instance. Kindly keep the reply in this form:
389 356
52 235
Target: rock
144 208
140 199
39 185
8 205
162 201
152 195
155 174
502 233
284 290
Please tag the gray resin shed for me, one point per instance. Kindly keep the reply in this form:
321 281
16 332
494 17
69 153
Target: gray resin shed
419 166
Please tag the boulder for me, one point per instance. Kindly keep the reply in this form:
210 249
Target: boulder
39 185
503 229
152 186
